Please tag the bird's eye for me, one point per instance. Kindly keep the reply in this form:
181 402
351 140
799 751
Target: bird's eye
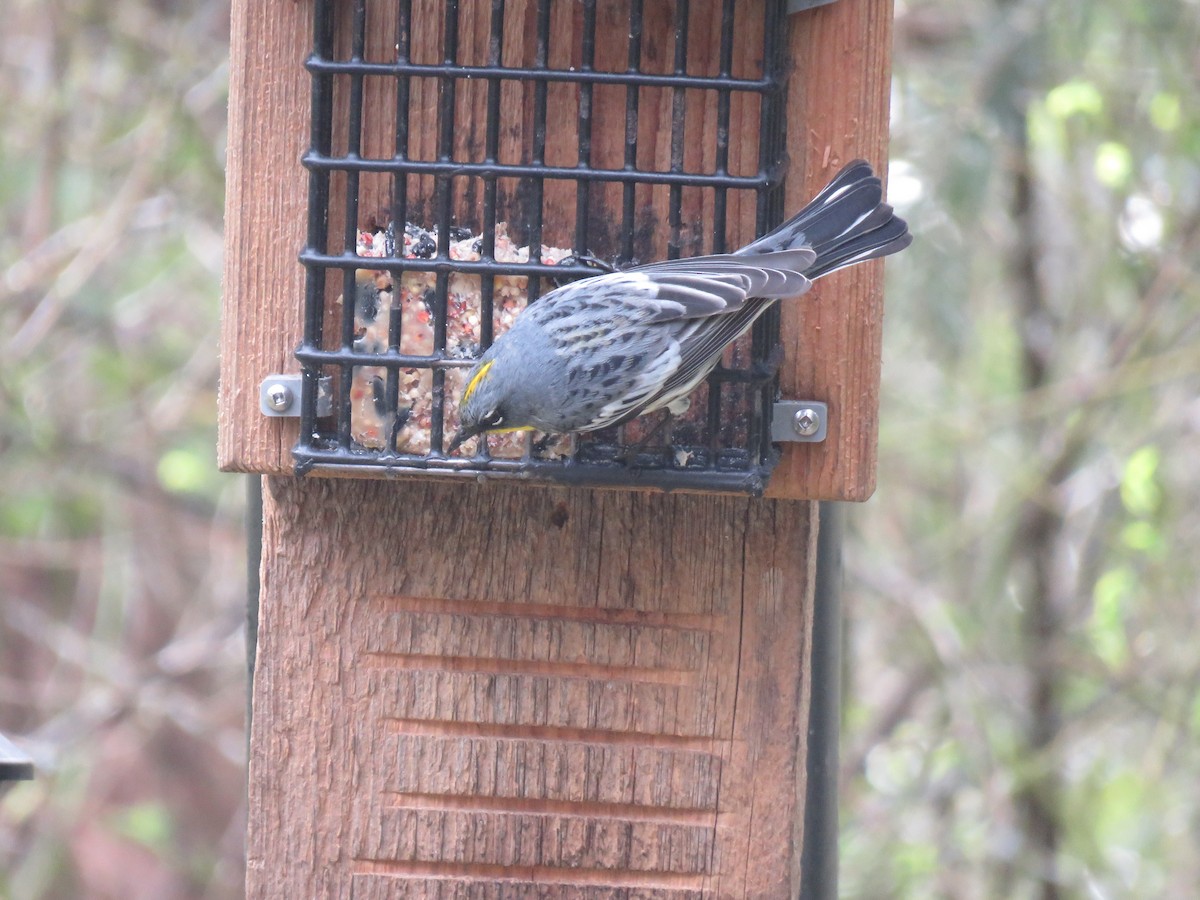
494 419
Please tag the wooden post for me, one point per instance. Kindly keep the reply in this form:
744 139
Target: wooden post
503 690
461 689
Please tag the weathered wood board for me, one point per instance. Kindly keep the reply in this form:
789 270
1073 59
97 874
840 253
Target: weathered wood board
505 691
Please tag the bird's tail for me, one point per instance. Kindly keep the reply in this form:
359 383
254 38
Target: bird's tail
846 223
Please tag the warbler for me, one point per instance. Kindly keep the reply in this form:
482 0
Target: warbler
601 351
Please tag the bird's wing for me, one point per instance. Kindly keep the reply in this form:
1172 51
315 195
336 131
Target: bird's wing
707 285
657 328
644 386
676 289
701 338
700 346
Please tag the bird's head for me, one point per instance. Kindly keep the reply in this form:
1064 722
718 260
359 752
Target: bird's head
490 402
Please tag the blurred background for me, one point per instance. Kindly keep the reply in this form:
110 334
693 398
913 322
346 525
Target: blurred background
1022 688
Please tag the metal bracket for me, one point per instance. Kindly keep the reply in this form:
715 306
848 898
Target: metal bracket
799 421
14 765
279 395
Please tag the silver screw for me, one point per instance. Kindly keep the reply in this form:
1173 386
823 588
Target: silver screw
279 397
807 422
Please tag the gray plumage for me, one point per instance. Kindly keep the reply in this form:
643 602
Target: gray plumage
601 351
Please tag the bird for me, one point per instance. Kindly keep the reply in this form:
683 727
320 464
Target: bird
603 350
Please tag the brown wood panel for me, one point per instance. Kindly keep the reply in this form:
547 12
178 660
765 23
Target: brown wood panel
266 198
833 338
498 691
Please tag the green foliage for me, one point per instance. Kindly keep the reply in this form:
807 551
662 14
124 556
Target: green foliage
1112 598
148 824
1141 492
1074 98
188 470
1023 579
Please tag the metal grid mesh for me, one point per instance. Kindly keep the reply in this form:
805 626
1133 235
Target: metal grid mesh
616 208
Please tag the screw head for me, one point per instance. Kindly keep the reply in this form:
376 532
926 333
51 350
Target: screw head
279 397
806 422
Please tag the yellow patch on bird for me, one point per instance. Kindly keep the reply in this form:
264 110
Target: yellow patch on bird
511 430
475 381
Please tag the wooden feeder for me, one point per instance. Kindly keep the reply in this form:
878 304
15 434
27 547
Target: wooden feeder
472 686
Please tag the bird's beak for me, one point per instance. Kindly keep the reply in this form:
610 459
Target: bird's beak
463 435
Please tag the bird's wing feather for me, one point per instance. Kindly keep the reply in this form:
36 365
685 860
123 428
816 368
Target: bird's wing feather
684 311
701 346
645 387
734 278
677 289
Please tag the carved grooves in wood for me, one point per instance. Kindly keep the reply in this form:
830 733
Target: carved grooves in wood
492 665
536 806
597 614
666 828
491 873
448 728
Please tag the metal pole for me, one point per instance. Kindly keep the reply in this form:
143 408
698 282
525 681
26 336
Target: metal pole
819 855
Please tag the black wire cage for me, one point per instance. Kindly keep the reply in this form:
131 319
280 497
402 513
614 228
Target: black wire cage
467 157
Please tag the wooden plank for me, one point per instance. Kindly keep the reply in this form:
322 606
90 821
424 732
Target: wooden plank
503 691
838 102
265 210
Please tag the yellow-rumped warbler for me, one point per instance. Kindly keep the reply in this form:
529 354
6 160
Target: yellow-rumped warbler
604 350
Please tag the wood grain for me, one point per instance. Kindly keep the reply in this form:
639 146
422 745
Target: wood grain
838 102
498 691
265 207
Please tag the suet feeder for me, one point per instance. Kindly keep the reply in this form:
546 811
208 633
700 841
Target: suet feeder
463 157
491 689
14 765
